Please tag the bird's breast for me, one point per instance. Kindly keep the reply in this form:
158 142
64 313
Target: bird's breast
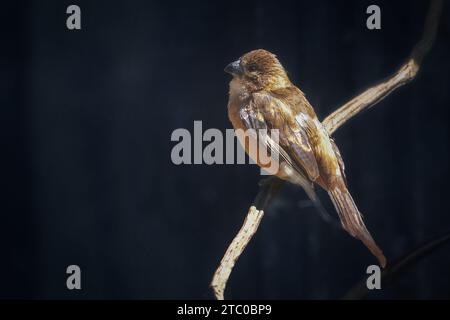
238 98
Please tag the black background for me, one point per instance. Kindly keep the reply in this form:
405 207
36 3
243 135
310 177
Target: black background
88 178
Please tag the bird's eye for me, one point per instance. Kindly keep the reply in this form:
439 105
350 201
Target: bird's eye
251 68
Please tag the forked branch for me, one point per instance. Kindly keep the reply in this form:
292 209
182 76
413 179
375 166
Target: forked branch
364 101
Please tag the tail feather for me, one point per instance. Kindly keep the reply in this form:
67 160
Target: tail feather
352 222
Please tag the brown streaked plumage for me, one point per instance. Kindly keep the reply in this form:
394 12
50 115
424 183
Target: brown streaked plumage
262 97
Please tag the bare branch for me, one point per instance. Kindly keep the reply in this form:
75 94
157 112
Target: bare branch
235 249
405 74
334 121
268 189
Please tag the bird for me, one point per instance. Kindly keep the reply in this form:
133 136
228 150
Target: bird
262 98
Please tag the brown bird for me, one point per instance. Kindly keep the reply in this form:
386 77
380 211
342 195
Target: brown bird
261 96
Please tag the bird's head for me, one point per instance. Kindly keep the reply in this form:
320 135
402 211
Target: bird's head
259 70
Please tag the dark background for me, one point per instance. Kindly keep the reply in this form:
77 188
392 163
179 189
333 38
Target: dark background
87 174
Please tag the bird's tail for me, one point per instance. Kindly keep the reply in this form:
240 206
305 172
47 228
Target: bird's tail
352 222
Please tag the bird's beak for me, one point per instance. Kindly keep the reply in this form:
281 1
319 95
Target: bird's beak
234 68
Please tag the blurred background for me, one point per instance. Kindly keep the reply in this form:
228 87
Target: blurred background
88 179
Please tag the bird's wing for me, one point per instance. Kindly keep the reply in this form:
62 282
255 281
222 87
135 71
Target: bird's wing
268 112
339 158
293 145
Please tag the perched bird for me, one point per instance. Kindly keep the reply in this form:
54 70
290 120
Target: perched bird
261 96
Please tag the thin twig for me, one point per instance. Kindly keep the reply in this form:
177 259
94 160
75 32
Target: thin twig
362 102
405 74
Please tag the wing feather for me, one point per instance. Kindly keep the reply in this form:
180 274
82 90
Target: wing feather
268 112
